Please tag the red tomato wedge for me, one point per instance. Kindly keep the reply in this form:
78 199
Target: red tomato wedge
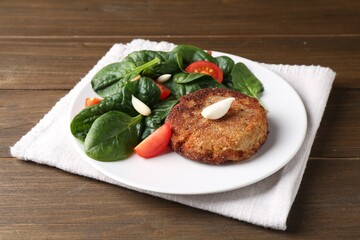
156 143
92 101
164 91
206 67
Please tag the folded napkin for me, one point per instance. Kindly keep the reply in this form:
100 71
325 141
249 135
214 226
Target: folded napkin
266 203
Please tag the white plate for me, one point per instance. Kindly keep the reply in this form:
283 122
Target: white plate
174 174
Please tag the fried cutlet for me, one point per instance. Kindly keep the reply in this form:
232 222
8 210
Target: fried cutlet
236 136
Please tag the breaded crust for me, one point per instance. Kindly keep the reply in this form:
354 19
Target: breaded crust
235 137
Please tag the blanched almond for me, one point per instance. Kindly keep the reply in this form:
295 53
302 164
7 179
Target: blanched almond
140 107
137 77
163 78
218 109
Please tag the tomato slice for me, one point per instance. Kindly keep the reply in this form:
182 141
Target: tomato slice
206 67
164 91
156 143
92 101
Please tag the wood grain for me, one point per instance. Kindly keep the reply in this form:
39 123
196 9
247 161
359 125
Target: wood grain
339 131
61 63
55 204
182 18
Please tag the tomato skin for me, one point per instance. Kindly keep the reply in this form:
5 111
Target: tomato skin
206 67
92 101
156 143
164 91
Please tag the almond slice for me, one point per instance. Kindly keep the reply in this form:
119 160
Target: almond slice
163 78
137 77
140 107
218 109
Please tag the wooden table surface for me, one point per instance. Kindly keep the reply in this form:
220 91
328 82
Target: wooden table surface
47 46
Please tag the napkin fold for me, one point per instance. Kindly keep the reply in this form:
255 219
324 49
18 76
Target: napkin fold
266 203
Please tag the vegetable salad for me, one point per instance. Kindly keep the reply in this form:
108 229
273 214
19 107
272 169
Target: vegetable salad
111 128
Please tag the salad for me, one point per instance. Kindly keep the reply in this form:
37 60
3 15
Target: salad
114 126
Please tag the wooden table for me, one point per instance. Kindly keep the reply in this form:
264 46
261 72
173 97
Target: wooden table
47 46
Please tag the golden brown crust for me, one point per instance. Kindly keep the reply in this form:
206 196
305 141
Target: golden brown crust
235 137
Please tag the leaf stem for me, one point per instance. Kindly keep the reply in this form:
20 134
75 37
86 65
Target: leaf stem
146 65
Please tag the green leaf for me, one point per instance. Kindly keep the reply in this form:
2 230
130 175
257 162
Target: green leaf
181 89
157 117
243 80
167 64
113 77
226 64
184 77
82 122
146 90
112 137
188 54
109 75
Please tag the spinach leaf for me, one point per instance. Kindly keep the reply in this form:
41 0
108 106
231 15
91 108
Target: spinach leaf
109 75
113 77
112 137
243 80
157 117
187 54
227 81
226 64
81 123
146 90
184 77
181 89
208 82
167 64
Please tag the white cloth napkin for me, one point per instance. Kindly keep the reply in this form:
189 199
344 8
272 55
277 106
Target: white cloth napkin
266 203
